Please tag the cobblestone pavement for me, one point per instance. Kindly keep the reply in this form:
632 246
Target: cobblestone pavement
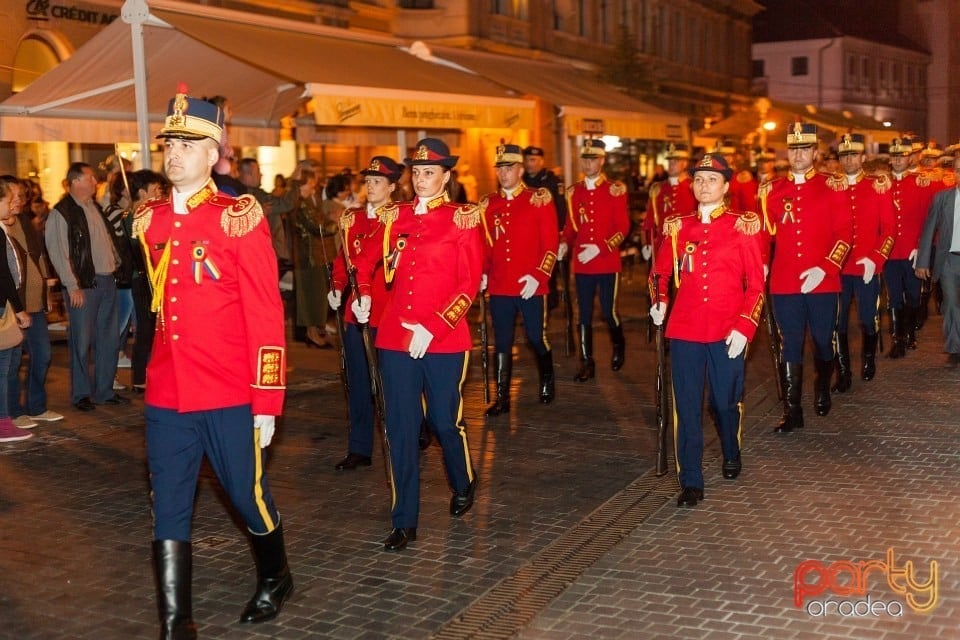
572 535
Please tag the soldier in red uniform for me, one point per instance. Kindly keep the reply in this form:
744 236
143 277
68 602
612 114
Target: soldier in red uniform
714 259
743 186
668 197
871 205
432 254
912 195
597 223
363 231
813 236
519 254
216 377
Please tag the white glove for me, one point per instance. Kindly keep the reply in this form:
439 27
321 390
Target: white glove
869 269
361 309
333 297
646 251
658 312
265 425
420 340
736 343
913 258
562 251
766 272
812 278
529 288
483 282
588 253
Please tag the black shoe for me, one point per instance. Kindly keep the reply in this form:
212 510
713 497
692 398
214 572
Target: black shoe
352 461
117 399
731 468
399 538
953 361
460 503
689 497
84 404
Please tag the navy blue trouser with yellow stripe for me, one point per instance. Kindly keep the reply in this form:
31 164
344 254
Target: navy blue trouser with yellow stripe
437 379
605 286
360 439
503 312
691 363
176 444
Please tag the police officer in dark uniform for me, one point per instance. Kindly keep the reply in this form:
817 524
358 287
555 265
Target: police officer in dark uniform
432 254
216 378
537 176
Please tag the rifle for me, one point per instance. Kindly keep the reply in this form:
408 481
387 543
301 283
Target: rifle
883 303
567 304
653 262
373 370
661 390
484 347
776 349
341 349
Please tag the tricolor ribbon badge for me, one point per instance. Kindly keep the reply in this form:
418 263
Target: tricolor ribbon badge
393 258
356 246
686 263
787 211
583 215
498 228
203 263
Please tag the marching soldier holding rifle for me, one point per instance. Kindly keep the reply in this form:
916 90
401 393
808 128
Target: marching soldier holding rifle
432 254
536 175
362 230
713 257
597 222
813 236
521 236
668 197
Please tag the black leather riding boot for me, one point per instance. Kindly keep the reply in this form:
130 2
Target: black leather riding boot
588 368
501 403
844 376
274 582
173 562
869 356
821 386
619 347
793 387
897 320
545 367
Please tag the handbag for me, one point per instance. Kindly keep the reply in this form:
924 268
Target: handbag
10 333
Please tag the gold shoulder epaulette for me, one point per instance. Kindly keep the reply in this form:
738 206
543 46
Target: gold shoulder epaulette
484 202
748 223
570 189
837 182
141 219
949 178
922 180
467 216
241 217
764 189
348 219
541 197
881 183
388 212
617 188
655 189
672 225
744 176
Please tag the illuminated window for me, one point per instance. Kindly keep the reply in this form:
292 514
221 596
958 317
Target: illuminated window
35 56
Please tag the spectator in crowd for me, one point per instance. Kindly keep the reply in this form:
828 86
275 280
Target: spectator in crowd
116 213
82 252
10 280
24 239
310 280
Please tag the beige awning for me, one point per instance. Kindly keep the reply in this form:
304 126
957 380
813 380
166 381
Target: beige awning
588 103
368 82
90 96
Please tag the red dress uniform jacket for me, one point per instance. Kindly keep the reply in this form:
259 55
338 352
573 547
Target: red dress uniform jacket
521 239
597 216
433 261
912 195
666 200
720 275
813 229
220 329
871 204
361 232
743 192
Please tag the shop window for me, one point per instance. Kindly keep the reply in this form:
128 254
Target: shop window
798 66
